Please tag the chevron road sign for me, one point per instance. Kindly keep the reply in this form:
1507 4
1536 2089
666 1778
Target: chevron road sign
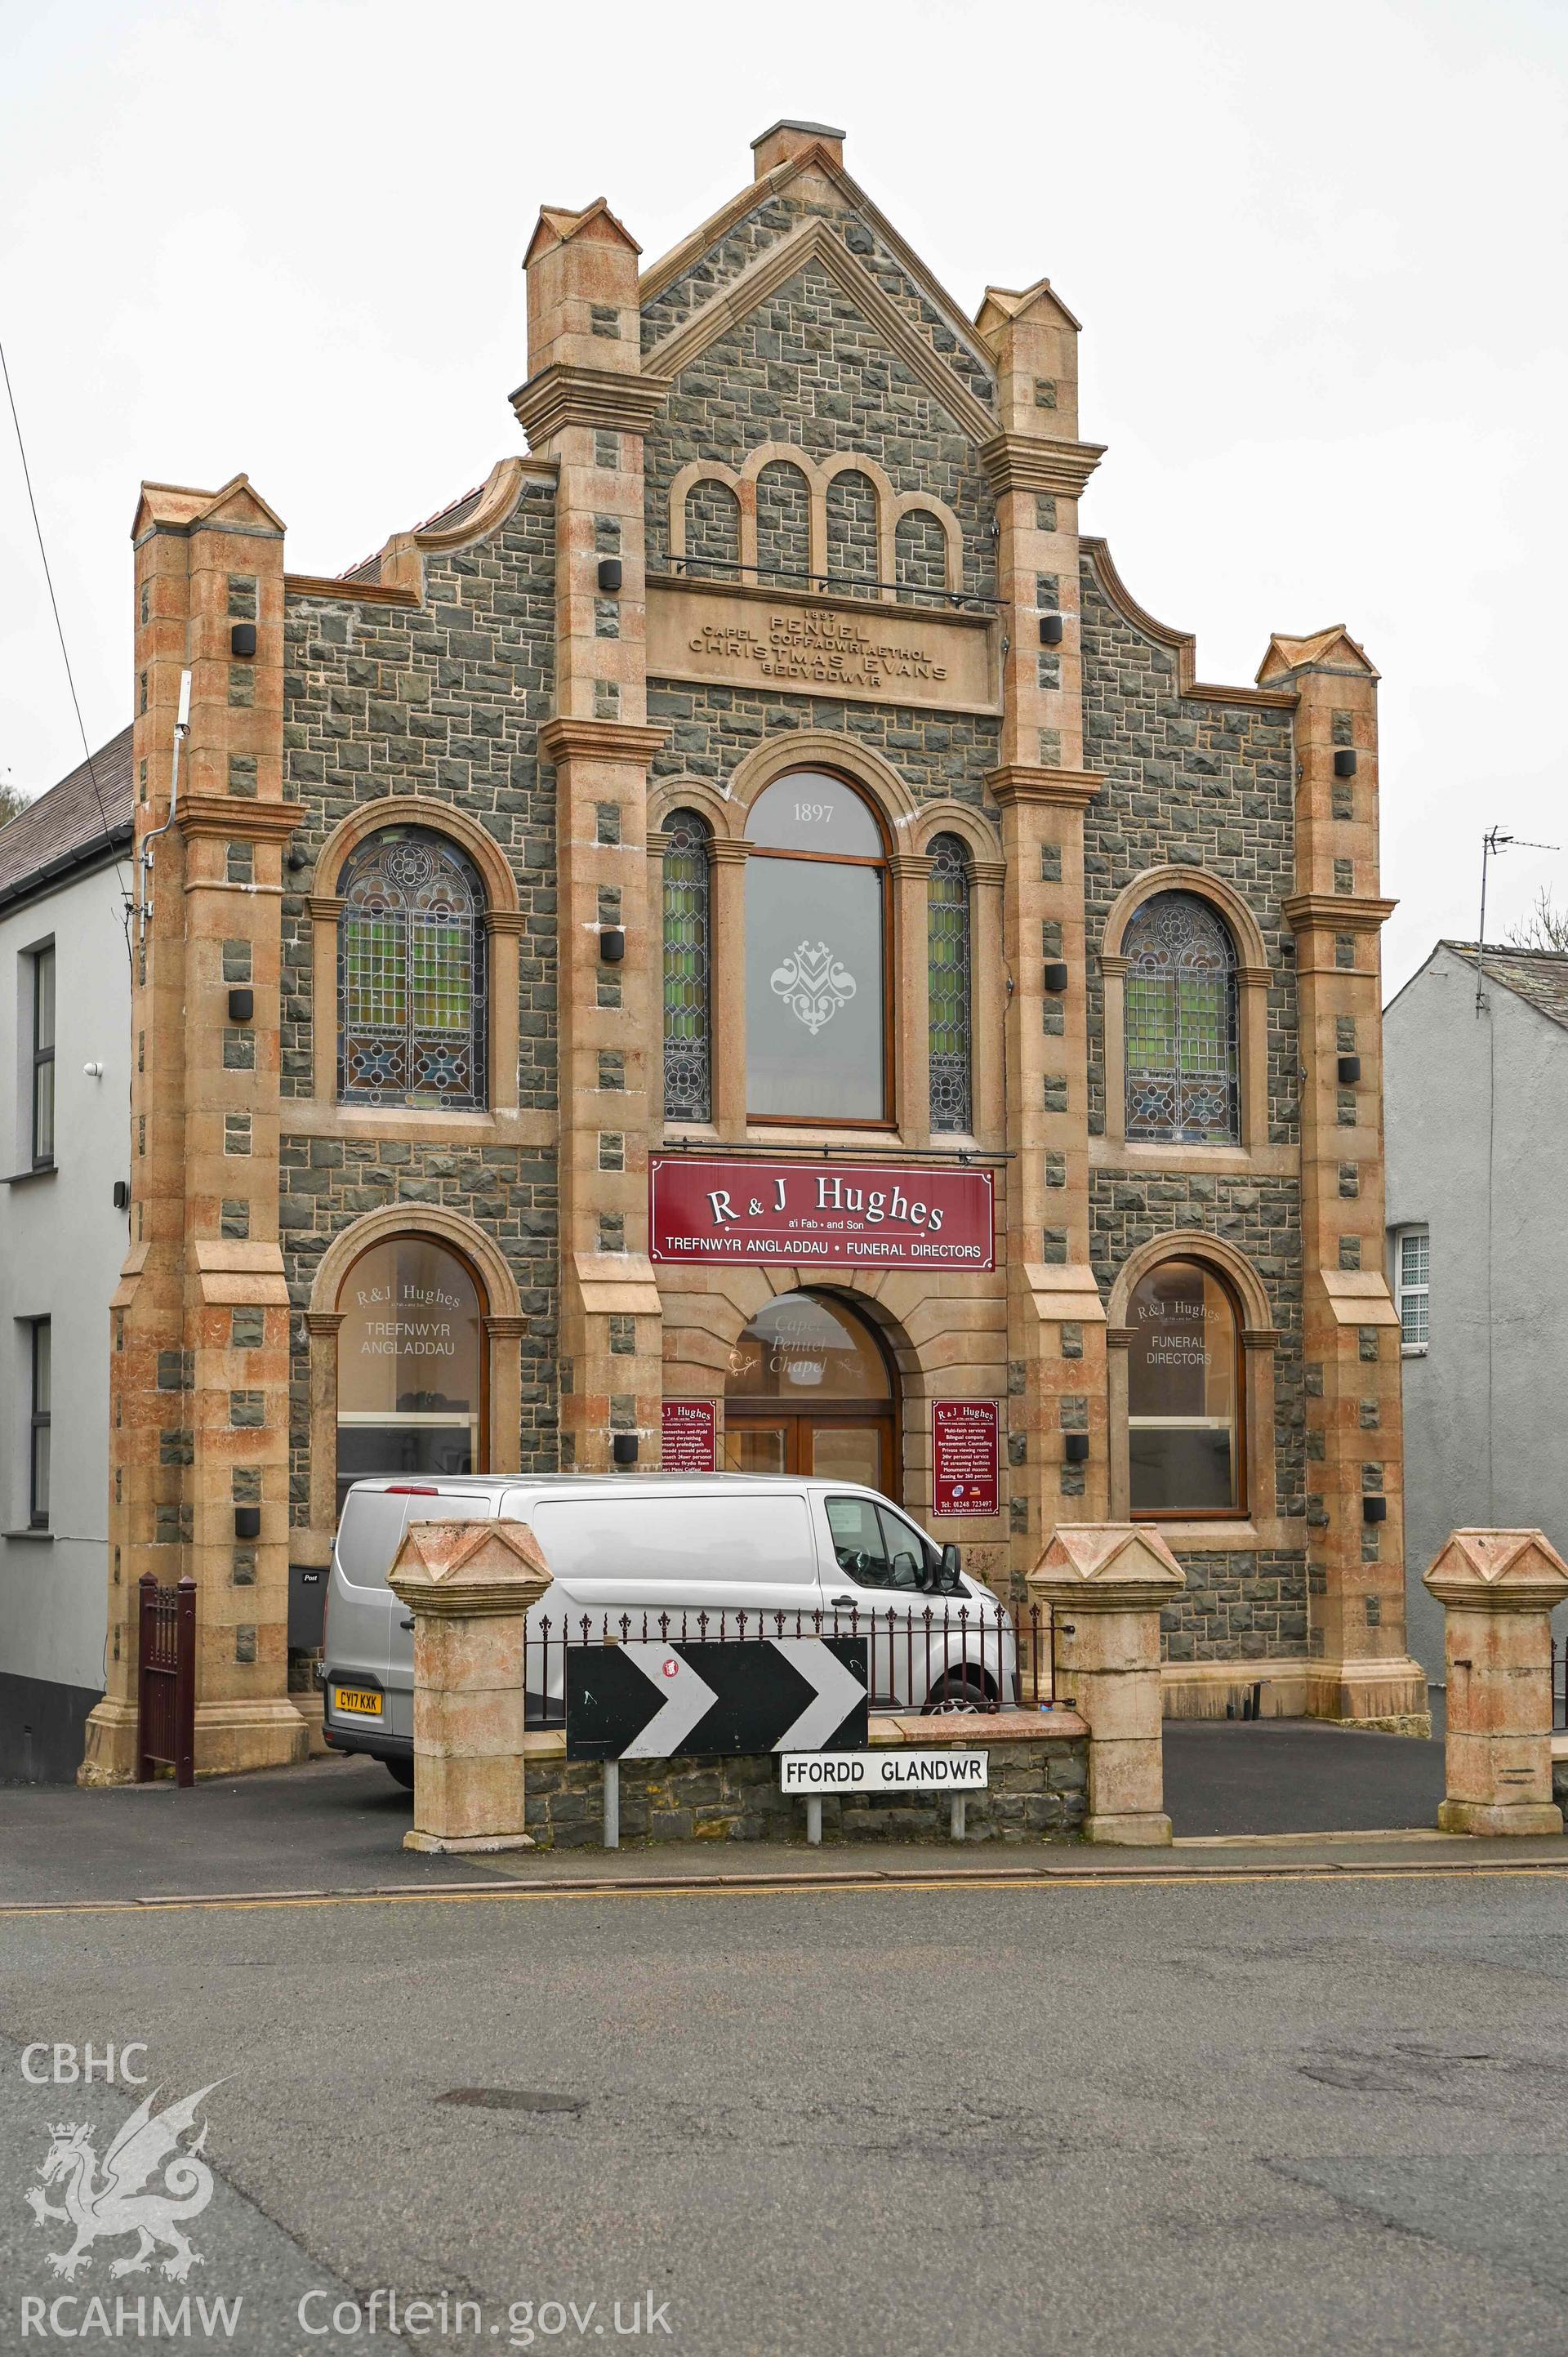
648 1701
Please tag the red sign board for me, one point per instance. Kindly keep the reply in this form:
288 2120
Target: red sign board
704 1208
691 1437
964 1478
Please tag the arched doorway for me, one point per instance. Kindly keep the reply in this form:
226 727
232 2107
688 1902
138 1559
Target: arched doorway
409 1363
810 1390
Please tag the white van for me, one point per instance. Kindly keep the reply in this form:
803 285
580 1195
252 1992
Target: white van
673 1555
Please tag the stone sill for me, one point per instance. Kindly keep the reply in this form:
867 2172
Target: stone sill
974 1731
46 1538
1560 1746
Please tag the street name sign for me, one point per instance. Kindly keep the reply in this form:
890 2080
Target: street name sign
889 1770
648 1701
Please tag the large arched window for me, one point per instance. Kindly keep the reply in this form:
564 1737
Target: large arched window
1183 1069
408 1362
816 953
410 973
948 963
688 1082
1184 1392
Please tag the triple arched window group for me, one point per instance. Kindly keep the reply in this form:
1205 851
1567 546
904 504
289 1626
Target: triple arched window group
411 976
817 962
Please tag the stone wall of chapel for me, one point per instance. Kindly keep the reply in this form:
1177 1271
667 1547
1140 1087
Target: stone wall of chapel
940 754
1191 782
444 701
805 367
779 216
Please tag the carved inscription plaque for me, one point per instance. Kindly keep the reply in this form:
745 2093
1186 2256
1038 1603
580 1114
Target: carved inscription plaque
881 654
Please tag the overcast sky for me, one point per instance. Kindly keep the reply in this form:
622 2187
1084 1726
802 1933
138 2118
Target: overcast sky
1317 254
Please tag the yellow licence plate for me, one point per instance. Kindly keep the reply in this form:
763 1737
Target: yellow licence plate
358 1698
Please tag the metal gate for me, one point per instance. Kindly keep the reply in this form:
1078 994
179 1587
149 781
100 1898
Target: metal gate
165 1680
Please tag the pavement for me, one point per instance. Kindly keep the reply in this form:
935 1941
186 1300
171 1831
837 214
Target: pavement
1276 1796
1256 2116
1276 2090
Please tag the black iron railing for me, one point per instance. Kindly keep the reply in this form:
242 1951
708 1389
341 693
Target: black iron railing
939 1655
928 596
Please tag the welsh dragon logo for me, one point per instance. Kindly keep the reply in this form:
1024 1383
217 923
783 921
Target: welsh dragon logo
128 2197
813 984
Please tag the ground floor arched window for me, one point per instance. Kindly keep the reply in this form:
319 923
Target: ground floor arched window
1185 1442
810 1391
410 1363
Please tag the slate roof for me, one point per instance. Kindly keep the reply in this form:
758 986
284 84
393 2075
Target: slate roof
1538 976
66 827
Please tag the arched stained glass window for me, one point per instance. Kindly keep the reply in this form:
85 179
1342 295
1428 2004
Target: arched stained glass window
1183 1073
688 1086
410 973
949 983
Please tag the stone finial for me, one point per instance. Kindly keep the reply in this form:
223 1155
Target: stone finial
1121 1563
1287 654
1499 1571
469 1569
786 141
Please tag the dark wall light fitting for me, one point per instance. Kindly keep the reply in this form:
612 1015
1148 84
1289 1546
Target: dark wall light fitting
1374 1509
1076 1447
247 1521
1349 1070
609 574
1343 762
1050 630
1054 975
241 1005
623 1449
243 640
612 944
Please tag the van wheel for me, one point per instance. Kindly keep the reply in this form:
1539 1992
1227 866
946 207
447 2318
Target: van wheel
401 1771
952 1694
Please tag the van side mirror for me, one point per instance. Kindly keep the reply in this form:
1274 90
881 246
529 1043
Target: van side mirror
951 1564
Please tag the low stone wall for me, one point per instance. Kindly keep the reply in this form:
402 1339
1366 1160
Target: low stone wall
1037 1790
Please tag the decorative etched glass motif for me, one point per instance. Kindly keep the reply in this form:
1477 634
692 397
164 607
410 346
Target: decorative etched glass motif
688 1094
813 984
948 984
410 973
1183 1073
815 880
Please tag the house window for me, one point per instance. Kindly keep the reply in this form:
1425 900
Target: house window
410 973
816 945
38 1436
948 984
688 1083
1184 1437
43 1059
1413 1287
1183 1066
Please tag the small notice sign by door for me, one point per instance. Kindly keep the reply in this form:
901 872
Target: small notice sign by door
690 1437
964 1476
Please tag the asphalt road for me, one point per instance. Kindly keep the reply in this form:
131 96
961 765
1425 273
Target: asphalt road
1274 2117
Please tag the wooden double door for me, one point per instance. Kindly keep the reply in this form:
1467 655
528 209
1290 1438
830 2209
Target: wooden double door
837 1445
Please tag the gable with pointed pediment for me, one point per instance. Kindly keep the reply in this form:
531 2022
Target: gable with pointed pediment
807 366
678 289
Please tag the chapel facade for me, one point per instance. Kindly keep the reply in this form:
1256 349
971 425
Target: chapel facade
739 944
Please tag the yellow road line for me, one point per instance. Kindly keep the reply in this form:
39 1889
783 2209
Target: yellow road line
786 1887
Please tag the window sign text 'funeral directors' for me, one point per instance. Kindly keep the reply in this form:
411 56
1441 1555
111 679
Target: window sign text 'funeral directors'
719 1210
